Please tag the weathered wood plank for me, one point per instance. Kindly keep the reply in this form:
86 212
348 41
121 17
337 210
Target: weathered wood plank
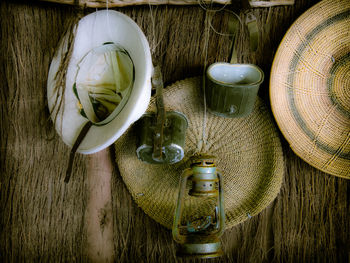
262 3
120 3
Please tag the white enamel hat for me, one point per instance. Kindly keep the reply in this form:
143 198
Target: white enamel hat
93 31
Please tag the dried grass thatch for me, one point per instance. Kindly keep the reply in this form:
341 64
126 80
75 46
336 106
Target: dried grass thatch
42 219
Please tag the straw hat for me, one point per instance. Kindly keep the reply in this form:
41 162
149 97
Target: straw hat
310 87
248 153
93 33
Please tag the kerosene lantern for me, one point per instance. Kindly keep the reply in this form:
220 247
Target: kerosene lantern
199 234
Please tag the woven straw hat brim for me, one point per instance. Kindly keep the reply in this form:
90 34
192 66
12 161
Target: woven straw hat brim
310 87
248 153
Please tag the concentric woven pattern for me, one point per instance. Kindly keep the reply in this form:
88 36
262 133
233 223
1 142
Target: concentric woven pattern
248 153
310 87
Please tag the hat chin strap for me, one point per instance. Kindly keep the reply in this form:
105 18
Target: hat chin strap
78 141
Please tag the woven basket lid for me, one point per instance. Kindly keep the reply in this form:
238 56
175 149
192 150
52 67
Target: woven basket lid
248 153
310 87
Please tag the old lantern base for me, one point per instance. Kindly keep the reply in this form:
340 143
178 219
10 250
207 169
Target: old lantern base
204 250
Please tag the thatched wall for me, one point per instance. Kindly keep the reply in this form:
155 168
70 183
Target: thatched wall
43 219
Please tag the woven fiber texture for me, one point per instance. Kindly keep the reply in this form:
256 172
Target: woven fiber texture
310 87
248 153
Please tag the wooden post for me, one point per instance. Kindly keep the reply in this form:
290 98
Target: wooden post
99 220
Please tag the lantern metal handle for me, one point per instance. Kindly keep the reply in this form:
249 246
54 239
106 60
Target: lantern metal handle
178 212
221 205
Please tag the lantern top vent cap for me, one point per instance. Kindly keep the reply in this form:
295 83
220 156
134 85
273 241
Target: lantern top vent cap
203 160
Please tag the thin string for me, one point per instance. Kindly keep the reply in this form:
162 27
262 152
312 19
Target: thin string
204 7
202 142
209 14
60 76
154 45
225 34
93 29
108 25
